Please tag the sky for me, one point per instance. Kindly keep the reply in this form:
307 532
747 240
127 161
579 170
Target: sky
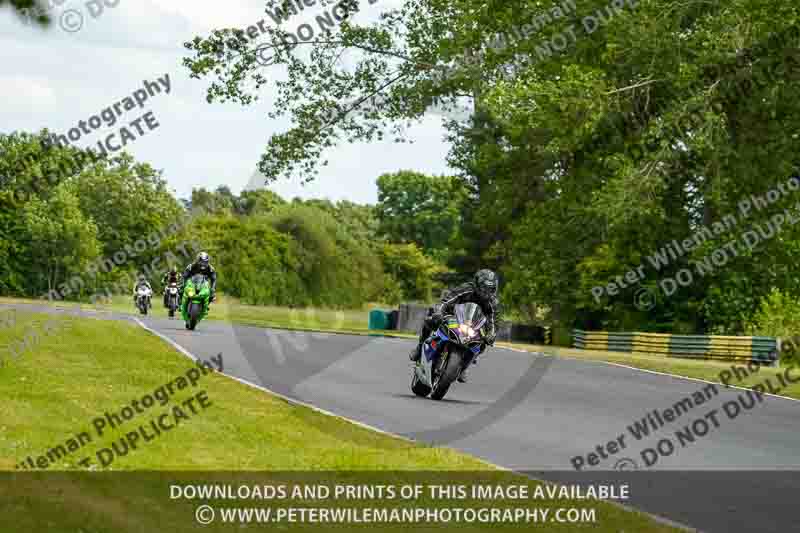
55 78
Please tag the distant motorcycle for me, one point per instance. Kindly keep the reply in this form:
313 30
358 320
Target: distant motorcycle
196 298
143 296
448 351
172 298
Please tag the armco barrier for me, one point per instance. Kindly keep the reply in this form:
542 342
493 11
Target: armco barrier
760 349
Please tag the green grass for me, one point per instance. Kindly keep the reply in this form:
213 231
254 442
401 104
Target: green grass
229 309
86 367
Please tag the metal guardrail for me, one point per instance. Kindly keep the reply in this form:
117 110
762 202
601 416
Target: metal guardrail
759 349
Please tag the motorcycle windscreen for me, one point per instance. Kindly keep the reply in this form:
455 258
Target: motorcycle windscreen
198 280
471 315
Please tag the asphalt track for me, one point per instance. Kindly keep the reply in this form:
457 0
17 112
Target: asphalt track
534 414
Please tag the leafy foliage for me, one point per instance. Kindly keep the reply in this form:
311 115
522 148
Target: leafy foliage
411 271
778 315
420 209
63 213
65 240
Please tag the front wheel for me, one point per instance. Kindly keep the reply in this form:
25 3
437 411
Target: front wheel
447 373
194 314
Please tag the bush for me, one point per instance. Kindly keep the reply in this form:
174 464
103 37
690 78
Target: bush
336 269
411 270
778 315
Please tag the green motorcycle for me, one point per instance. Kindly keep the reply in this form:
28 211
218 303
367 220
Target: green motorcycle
196 297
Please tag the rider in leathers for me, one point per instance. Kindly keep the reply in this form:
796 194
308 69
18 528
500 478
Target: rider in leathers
141 282
171 277
482 290
201 266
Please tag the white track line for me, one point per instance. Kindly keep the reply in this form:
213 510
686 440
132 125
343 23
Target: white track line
573 358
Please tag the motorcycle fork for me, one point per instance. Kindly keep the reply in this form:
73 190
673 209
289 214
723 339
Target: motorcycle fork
441 362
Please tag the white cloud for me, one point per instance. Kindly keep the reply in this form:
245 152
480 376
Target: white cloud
54 79
21 94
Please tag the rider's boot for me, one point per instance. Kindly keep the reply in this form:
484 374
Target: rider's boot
416 353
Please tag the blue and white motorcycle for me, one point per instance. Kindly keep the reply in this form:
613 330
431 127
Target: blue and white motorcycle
448 351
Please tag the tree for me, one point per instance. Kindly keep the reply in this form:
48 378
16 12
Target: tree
401 58
425 210
220 200
15 248
644 154
411 270
336 269
31 169
29 9
63 240
128 202
260 201
580 159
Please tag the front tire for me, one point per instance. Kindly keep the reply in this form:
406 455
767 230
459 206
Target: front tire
447 375
194 313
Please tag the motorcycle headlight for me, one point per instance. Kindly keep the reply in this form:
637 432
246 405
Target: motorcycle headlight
190 291
466 330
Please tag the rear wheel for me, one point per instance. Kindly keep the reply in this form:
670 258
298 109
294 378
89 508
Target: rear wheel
448 371
418 387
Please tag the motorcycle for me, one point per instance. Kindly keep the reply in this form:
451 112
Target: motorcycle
196 298
143 295
172 298
448 351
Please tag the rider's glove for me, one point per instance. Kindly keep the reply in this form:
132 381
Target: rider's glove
213 297
490 340
435 319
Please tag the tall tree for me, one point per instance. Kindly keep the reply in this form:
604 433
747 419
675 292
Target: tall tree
425 210
64 239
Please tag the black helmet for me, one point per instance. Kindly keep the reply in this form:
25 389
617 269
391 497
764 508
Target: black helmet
486 283
173 270
202 259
